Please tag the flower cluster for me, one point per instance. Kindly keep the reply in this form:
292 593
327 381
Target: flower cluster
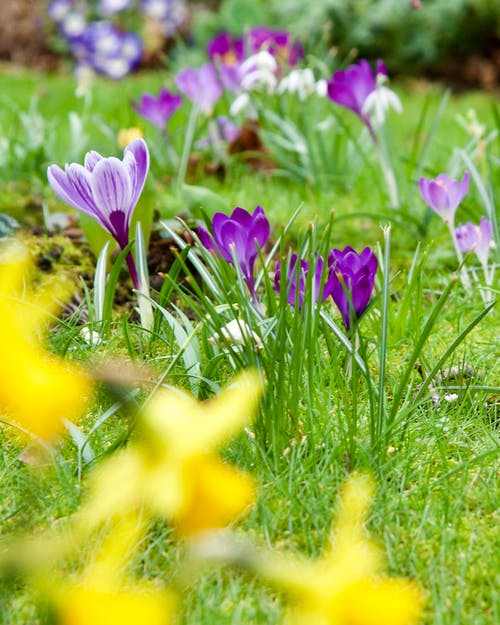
102 41
444 195
348 277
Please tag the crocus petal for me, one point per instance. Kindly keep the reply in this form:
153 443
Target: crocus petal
91 159
73 187
111 186
206 239
138 166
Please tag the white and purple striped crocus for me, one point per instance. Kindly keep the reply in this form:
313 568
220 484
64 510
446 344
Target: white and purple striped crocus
238 237
350 281
107 189
443 194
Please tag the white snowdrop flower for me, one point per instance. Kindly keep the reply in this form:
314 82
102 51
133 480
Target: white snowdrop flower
380 101
241 103
322 88
237 332
261 60
450 397
92 338
259 72
299 81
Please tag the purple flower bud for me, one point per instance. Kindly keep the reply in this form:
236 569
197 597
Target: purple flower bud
478 238
297 280
350 281
158 110
239 237
107 189
444 194
200 85
351 88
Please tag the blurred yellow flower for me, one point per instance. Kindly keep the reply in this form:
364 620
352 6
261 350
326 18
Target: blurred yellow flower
171 468
103 597
38 389
91 606
127 135
344 586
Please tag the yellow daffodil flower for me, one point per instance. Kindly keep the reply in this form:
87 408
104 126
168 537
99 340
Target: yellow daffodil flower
38 389
344 587
171 469
103 597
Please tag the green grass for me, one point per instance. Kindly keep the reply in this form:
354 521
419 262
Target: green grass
436 509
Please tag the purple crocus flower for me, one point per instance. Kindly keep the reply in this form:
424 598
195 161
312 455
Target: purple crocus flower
239 237
477 238
226 49
351 88
350 281
158 110
444 194
200 85
297 278
107 189
279 43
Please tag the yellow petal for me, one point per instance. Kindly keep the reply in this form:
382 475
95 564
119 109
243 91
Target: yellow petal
187 427
373 602
115 489
91 606
38 389
219 493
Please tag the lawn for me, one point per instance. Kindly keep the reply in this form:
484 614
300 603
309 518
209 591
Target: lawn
408 395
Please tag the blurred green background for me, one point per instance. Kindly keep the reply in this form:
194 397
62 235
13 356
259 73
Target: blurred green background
454 40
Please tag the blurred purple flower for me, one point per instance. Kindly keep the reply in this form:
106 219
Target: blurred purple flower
110 7
200 85
351 88
350 281
107 189
222 131
158 110
444 194
58 9
279 43
297 279
108 50
72 25
477 238
170 14
239 236
226 49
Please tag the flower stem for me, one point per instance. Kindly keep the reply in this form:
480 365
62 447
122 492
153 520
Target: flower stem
133 270
464 276
387 170
186 150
